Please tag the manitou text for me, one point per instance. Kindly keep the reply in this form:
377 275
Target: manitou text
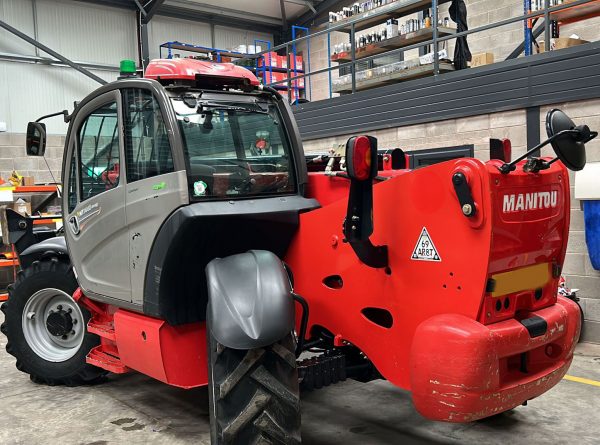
529 201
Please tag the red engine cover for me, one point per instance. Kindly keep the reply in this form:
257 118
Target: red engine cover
189 69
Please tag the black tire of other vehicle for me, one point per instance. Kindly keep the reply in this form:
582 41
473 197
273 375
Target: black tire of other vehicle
254 395
44 274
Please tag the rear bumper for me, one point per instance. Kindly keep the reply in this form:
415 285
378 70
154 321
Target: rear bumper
462 370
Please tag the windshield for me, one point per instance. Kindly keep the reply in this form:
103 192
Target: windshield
234 149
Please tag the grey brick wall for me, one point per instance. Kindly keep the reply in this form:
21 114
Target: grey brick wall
478 130
13 157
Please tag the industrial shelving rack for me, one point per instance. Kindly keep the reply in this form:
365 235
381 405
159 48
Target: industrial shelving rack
266 66
375 17
566 13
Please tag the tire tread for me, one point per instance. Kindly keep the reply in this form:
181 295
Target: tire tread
87 374
272 414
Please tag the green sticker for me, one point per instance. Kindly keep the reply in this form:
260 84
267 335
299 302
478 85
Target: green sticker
159 186
200 188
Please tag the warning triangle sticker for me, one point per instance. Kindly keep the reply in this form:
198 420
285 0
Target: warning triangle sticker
425 249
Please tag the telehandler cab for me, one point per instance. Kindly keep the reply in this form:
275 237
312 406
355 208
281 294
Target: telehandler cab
184 192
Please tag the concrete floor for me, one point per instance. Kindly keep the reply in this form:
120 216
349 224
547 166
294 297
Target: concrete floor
134 409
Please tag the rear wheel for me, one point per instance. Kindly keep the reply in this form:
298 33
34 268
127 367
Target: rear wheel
46 328
254 394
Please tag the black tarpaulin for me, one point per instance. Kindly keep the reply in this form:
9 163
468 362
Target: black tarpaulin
462 54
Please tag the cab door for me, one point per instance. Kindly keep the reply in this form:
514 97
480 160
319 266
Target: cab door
94 202
156 185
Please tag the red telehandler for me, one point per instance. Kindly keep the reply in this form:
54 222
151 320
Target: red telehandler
187 190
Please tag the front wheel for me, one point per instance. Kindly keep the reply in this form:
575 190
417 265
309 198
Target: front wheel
46 328
254 394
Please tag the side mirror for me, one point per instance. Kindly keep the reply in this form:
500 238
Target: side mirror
36 139
361 158
567 139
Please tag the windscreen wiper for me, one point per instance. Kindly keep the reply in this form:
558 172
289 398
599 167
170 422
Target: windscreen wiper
225 107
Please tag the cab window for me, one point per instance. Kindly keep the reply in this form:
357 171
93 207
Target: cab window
99 152
234 149
147 148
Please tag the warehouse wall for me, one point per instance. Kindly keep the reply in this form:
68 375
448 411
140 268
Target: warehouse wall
167 29
499 41
84 33
478 131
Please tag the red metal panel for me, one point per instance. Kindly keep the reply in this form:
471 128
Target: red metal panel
462 370
530 226
538 231
172 354
415 290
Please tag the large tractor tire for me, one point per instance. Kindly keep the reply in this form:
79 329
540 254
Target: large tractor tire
254 394
46 328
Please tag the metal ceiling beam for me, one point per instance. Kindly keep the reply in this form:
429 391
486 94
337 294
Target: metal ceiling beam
283 15
310 5
24 58
140 7
53 53
151 7
142 41
219 19
324 6
123 4
253 22
192 6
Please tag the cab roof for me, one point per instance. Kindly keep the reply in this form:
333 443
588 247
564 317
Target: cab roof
200 73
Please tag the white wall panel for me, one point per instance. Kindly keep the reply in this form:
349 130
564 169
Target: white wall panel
87 33
18 14
36 90
252 36
166 29
228 38
3 93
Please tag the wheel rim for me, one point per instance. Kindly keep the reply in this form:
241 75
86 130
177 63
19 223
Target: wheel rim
53 325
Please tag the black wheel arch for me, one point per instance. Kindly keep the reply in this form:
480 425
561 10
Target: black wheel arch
52 247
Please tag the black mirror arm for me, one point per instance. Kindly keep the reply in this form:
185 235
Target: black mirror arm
576 132
584 134
64 113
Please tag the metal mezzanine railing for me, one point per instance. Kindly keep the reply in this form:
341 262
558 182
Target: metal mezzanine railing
405 7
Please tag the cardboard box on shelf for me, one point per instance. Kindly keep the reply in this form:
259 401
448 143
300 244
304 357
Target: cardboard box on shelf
28 180
282 61
269 59
299 63
277 77
298 82
562 43
566 42
482 59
